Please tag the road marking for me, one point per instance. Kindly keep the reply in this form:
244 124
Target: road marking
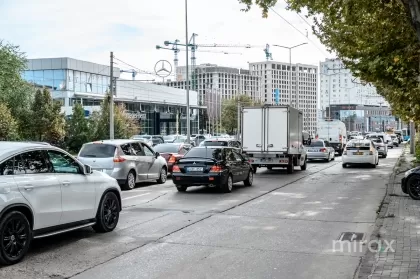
135 196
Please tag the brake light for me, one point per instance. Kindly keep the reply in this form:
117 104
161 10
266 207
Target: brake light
216 169
172 159
176 168
323 150
340 137
118 159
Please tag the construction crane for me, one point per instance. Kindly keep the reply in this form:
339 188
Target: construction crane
268 54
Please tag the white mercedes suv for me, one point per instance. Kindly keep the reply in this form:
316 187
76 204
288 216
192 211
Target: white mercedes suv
45 191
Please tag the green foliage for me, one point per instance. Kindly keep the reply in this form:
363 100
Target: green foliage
78 130
124 126
47 123
263 4
8 125
230 111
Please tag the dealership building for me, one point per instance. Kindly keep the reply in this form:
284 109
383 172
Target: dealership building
159 109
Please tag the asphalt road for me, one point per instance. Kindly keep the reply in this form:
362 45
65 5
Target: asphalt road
281 227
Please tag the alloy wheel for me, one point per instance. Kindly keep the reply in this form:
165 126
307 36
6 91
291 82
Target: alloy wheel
230 183
250 177
110 212
131 180
415 188
14 237
163 175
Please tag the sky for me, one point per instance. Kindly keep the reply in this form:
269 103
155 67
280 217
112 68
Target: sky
89 29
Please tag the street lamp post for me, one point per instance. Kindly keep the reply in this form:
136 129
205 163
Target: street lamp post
187 74
290 71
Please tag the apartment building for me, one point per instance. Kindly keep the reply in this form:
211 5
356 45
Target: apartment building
301 94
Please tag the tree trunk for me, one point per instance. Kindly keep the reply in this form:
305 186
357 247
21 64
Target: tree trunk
412 8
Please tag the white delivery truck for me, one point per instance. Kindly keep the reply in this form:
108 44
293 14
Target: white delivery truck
334 131
272 137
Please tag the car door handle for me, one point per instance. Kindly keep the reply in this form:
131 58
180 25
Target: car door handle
28 187
66 183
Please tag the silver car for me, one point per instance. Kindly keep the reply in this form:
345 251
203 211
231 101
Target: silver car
128 161
320 149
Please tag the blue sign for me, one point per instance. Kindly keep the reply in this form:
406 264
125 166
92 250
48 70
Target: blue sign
277 95
87 113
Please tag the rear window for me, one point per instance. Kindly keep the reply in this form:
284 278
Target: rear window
215 153
376 140
168 137
215 143
166 148
316 144
97 150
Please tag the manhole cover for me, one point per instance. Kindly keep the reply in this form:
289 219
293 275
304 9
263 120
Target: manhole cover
351 236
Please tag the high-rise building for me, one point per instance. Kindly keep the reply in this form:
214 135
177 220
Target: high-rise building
338 86
303 91
228 82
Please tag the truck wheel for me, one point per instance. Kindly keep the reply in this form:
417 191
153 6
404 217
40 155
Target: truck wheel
290 166
303 167
269 168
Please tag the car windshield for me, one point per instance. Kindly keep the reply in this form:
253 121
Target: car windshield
180 140
97 150
215 153
166 148
316 144
215 143
168 137
358 144
376 140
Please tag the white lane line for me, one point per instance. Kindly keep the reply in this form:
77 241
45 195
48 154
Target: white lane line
135 196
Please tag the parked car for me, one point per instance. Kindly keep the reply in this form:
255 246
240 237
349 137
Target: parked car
45 191
320 149
171 152
144 138
212 166
410 183
157 139
395 140
170 138
360 152
128 161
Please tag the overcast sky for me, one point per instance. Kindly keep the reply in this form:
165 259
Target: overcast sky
90 29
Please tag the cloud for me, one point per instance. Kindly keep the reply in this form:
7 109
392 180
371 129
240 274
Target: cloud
89 30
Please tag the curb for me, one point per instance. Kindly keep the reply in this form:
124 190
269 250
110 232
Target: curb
368 261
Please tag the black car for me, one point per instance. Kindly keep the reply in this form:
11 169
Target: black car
410 183
212 166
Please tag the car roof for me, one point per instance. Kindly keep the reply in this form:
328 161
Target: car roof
11 147
360 140
219 139
115 141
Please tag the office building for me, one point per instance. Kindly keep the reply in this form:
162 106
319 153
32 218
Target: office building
303 91
159 109
338 87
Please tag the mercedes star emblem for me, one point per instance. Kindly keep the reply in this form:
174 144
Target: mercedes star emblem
194 163
163 68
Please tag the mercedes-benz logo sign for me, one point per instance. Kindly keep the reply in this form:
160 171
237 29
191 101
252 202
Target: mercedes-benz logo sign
163 68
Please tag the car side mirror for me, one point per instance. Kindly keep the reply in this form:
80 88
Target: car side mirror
157 155
87 169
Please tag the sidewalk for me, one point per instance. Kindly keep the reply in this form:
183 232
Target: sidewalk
398 220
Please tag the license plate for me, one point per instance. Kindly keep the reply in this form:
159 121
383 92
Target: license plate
195 169
357 153
313 150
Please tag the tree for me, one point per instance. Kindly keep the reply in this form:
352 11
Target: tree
124 126
47 123
78 129
16 93
8 125
230 111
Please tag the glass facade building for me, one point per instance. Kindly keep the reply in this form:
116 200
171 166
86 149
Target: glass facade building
159 109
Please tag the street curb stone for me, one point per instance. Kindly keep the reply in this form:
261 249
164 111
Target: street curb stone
369 261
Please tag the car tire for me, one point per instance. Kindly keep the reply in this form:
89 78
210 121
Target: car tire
344 165
181 188
269 168
108 213
130 182
228 185
7 224
373 166
414 179
385 156
377 161
250 178
305 165
254 169
163 176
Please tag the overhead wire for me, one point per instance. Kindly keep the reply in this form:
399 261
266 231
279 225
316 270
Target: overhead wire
294 27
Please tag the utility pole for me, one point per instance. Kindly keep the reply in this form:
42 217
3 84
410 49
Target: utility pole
187 75
239 121
111 102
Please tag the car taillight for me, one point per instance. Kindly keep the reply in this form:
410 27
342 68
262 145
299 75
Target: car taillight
323 150
172 159
216 169
176 169
119 159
